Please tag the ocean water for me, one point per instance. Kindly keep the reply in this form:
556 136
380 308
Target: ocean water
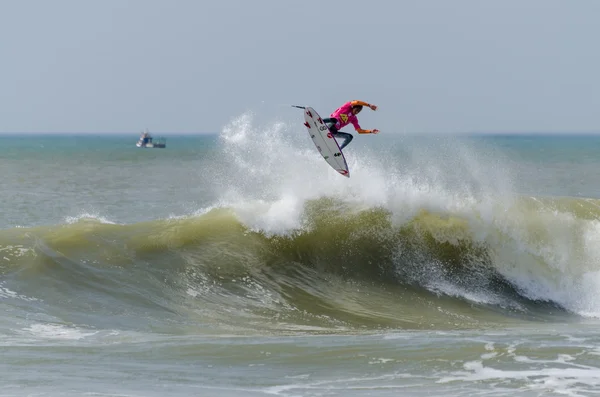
240 264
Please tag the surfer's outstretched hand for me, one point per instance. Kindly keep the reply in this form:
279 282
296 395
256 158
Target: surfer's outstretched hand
375 132
373 107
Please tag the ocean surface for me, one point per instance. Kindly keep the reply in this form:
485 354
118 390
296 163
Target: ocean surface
241 264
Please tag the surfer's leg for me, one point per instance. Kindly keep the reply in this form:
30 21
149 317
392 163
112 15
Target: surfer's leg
347 138
330 123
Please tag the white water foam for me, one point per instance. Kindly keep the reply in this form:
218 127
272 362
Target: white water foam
57 332
86 216
561 376
7 293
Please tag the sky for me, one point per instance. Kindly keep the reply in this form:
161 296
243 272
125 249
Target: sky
191 66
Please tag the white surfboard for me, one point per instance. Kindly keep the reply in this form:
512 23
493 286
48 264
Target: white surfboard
325 142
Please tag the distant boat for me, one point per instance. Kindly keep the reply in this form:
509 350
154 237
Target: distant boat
146 140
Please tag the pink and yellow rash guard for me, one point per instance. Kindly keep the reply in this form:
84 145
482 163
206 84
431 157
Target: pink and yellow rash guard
344 116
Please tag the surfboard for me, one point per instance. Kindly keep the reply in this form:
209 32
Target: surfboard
325 142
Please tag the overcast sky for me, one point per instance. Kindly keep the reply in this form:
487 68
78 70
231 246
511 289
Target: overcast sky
193 65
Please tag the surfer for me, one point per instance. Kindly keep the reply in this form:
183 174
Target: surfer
345 115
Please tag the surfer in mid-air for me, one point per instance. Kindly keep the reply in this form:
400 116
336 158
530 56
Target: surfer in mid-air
345 115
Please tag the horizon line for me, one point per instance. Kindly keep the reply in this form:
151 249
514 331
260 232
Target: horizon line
592 132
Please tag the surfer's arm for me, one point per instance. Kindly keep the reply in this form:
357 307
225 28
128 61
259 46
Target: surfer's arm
360 130
361 103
